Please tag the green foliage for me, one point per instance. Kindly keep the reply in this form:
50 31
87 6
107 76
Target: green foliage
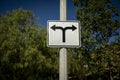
96 59
97 21
23 51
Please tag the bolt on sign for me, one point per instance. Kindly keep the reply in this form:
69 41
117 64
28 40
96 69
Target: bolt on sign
63 33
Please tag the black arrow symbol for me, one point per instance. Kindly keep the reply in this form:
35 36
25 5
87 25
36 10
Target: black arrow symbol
63 29
73 28
56 27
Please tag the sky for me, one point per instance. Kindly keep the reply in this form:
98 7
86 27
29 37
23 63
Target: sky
44 9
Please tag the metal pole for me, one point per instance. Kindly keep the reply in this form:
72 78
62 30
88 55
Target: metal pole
62 10
63 64
63 51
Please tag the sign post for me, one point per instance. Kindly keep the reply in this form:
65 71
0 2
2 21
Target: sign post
63 34
63 51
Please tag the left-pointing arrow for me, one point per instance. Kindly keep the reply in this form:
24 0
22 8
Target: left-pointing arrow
54 27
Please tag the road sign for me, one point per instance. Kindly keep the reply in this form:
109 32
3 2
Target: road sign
63 33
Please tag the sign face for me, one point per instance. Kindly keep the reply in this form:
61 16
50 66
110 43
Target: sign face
63 33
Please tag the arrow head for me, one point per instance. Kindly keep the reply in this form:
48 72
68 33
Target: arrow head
73 28
53 27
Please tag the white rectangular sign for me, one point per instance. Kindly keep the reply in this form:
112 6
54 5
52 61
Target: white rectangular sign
64 33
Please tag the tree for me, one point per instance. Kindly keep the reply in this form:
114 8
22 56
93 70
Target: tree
23 51
99 22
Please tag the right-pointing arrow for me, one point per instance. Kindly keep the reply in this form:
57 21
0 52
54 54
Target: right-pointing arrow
73 28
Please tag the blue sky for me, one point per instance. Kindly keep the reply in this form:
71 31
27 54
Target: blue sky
44 9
